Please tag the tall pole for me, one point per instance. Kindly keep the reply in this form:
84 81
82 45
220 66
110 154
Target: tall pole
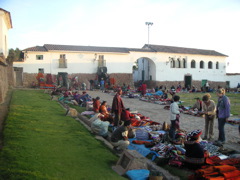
148 24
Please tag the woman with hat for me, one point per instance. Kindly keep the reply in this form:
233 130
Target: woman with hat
209 110
195 155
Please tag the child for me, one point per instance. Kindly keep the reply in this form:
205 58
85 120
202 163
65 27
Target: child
174 117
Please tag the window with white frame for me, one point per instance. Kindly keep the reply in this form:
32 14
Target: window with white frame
39 57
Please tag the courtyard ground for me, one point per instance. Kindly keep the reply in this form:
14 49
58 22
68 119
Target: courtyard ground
187 122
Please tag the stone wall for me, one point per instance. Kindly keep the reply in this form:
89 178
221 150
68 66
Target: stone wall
6 80
120 79
29 78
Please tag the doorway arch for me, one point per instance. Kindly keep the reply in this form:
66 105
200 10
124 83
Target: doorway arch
144 69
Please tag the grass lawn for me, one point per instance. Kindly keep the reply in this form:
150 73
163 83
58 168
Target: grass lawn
189 100
40 142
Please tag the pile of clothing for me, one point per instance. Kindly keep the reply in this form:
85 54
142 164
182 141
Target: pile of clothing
224 172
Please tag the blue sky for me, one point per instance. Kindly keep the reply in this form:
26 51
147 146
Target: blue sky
203 24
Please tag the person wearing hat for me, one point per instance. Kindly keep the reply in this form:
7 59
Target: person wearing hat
119 138
209 110
195 154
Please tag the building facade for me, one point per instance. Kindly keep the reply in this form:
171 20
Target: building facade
6 71
167 65
5 24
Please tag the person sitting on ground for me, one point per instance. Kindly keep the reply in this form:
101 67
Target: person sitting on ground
195 154
173 88
126 115
193 89
104 111
197 105
96 104
100 127
164 95
119 138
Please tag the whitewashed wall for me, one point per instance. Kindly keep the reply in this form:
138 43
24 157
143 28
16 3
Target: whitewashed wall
3 34
83 62
234 80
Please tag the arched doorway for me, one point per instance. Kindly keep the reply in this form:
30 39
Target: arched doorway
144 69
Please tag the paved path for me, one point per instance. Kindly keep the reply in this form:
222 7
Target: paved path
158 114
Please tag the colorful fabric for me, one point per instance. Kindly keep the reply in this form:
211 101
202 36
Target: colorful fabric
194 134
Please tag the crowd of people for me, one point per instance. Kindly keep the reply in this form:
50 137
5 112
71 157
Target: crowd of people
119 117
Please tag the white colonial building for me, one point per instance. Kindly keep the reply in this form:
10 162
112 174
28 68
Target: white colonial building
5 24
154 63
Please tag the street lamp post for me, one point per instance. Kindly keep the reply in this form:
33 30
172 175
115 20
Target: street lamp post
148 24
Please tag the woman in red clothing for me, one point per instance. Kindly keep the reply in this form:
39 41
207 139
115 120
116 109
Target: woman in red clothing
96 104
103 110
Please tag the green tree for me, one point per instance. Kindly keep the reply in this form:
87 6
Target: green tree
13 55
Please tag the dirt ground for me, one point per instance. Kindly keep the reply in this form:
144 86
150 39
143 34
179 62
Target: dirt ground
187 122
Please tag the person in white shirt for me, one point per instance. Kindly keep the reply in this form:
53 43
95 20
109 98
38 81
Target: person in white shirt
174 117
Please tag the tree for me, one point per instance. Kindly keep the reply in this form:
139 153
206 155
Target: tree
13 55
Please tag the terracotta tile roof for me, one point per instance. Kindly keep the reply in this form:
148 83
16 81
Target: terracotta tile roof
182 50
146 48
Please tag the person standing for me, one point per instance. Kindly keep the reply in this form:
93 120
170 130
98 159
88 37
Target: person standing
209 110
223 113
117 107
174 117
102 83
207 86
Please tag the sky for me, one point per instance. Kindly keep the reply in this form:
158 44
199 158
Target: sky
201 24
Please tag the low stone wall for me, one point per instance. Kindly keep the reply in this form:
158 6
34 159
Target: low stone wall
29 78
6 80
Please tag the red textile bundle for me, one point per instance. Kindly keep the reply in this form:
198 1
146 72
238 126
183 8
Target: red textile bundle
140 142
225 168
231 174
214 160
230 161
